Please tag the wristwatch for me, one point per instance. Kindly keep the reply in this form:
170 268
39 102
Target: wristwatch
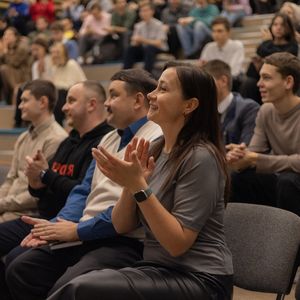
142 195
42 174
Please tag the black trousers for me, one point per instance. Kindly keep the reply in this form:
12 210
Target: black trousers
11 235
146 282
35 272
279 190
134 54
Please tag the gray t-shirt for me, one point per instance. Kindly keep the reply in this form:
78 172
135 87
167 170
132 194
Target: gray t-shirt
195 198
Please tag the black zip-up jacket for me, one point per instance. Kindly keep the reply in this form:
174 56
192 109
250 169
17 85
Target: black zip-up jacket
66 169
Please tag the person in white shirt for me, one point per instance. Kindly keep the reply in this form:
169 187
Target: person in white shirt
224 48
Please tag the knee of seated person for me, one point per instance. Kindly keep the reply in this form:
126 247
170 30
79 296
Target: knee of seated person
287 178
199 25
11 272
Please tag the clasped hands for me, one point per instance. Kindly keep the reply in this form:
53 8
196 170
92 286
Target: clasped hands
133 171
45 231
239 157
35 165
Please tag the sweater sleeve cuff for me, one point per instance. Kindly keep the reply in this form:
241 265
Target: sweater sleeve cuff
99 227
36 192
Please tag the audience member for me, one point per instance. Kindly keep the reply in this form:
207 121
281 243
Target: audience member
236 10
52 182
85 213
14 64
270 165
66 72
282 39
69 32
73 10
92 30
57 36
38 101
122 21
195 29
148 39
41 29
42 8
293 11
169 16
223 48
181 209
18 14
237 115
42 66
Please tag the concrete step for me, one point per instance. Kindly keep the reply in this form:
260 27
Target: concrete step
8 139
101 72
7 113
256 20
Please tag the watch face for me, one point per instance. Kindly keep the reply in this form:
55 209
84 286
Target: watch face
140 196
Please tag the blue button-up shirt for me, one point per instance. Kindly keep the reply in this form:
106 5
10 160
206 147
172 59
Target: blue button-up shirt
99 226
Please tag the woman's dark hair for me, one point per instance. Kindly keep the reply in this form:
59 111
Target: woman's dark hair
202 126
289 29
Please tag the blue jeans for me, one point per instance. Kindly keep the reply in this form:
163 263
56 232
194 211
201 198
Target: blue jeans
233 17
192 37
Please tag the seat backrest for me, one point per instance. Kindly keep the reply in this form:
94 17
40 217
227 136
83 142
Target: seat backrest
264 242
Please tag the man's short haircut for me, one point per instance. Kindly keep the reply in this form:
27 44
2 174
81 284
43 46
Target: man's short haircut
94 88
39 88
136 80
218 68
221 20
287 65
146 4
92 5
57 26
39 40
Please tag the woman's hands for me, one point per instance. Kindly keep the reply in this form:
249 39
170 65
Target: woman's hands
133 171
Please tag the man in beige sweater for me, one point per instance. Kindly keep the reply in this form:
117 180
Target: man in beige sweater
270 166
45 134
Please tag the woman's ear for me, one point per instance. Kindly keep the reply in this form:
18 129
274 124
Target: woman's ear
191 105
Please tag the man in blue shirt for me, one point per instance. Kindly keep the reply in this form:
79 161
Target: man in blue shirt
86 215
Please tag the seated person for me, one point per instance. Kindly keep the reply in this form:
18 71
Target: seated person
51 182
73 10
38 101
14 64
88 207
57 36
237 114
270 166
148 39
282 33
122 21
41 30
65 73
235 10
177 192
93 30
230 51
175 9
195 29
18 15
42 8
